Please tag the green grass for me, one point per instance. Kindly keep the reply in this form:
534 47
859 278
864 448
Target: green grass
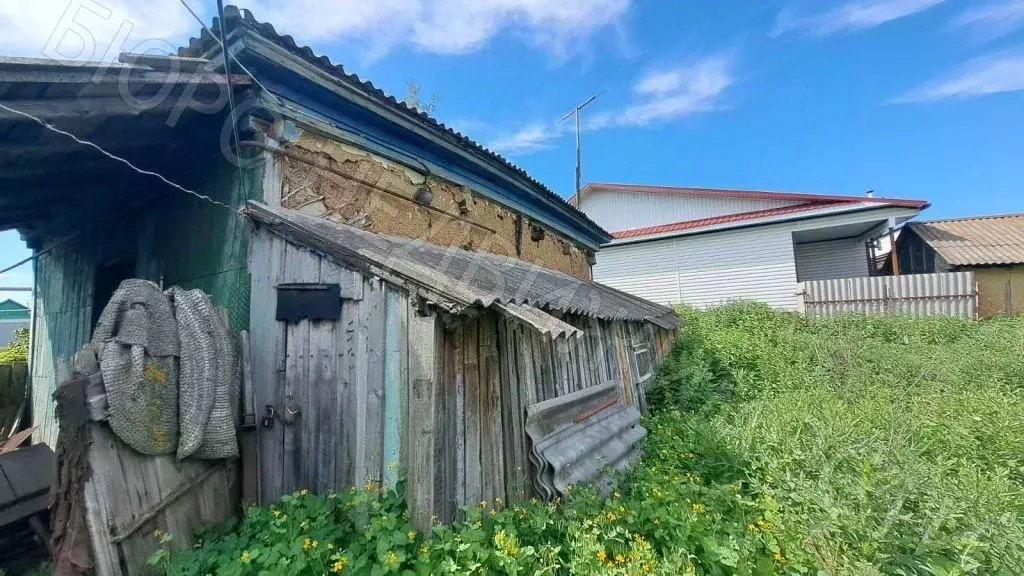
891 445
860 445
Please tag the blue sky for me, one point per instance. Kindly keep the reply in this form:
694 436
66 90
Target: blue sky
911 98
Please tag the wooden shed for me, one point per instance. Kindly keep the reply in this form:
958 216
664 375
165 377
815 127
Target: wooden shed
432 364
417 304
990 246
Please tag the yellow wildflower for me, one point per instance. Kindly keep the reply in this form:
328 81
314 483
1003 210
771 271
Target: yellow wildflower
483 503
424 551
391 558
601 555
411 535
779 557
619 559
491 512
699 508
314 544
751 528
339 564
277 513
616 495
304 524
303 492
157 534
330 546
611 516
245 557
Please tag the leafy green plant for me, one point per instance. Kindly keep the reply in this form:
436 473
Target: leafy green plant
855 445
17 350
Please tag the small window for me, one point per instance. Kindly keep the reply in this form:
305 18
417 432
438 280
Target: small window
641 353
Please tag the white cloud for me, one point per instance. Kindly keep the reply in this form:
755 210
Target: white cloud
439 26
978 77
659 96
992 19
673 93
530 138
92 29
850 17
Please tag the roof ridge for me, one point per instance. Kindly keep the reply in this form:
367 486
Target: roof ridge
748 193
965 218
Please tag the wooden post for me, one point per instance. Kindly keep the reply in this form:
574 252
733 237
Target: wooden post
892 248
422 380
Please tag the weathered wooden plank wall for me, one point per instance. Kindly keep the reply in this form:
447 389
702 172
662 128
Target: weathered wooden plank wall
389 387
178 239
129 495
337 388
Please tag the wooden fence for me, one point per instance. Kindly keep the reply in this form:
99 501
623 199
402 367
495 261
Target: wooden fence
13 378
944 294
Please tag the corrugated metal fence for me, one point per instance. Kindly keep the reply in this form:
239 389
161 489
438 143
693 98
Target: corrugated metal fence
945 294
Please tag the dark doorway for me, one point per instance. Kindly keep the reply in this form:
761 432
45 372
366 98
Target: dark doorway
108 277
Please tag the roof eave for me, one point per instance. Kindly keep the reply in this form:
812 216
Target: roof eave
752 223
245 35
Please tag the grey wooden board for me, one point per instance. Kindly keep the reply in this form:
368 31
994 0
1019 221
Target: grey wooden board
492 429
301 265
126 486
459 366
266 340
445 422
351 349
473 411
372 316
330 441
422 378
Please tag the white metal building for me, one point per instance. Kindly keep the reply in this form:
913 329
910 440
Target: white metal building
708 246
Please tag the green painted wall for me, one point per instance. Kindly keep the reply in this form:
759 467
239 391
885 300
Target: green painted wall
176 239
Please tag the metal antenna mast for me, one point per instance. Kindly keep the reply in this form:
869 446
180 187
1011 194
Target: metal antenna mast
576 112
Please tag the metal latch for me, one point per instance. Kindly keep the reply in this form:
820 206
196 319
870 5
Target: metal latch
268 417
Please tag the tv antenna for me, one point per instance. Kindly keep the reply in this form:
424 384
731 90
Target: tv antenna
576 112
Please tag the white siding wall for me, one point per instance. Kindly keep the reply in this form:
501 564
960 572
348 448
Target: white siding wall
834 259
757 263
707 269
616 211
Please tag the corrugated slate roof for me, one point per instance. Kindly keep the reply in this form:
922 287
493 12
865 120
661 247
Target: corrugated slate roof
457 276
235 18
976 241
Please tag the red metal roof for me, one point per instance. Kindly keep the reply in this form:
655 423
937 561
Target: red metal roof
754 194
687 224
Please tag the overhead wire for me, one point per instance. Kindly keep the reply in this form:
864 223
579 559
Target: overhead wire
110 155
100 149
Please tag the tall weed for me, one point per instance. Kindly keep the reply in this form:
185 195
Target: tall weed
894 445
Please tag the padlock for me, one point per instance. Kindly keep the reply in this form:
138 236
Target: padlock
268 417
